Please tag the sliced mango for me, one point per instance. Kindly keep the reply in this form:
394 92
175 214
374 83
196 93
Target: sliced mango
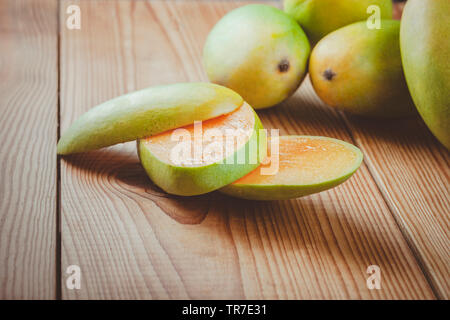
305 165
195 173
147 112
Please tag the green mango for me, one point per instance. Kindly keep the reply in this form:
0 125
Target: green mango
425 49
258 51
147 112
320 17
359 70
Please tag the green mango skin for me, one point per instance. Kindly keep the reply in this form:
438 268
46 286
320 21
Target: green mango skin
425 48
258 51
284 192
320 17
359 70
145 113
191 181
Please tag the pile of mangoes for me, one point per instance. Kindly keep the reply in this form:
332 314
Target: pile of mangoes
359 60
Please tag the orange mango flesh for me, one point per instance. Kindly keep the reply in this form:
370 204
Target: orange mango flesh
305 161
241 121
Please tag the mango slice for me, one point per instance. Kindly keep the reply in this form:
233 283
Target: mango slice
306 165
188 172
147 112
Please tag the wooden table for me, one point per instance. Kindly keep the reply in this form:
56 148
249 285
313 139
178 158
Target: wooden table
100 211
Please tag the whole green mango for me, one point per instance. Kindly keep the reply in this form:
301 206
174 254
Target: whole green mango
258 51
320 17
425 48
359 70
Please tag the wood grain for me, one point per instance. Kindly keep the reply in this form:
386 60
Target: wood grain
28 127
133 241
412 171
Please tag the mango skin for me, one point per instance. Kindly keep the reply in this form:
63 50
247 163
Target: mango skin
147 112
425 49
320 17
258 51
191 181
285 192
359 70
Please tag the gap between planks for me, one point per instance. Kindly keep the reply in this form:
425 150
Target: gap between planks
58 161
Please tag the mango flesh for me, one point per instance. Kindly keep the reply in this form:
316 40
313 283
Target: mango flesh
147 112
258 51
205 172
425 49
320 17
306 165
359 70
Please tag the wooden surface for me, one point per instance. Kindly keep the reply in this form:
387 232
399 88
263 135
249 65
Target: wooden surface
133 241
28 128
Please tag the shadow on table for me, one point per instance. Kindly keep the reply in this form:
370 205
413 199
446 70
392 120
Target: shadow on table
123 170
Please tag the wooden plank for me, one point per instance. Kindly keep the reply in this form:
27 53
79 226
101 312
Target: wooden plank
413 173
133 241
28 127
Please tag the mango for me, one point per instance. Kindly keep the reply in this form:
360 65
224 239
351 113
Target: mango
306 165
320 17
425 49
172 162
147 112
258 51
359 70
